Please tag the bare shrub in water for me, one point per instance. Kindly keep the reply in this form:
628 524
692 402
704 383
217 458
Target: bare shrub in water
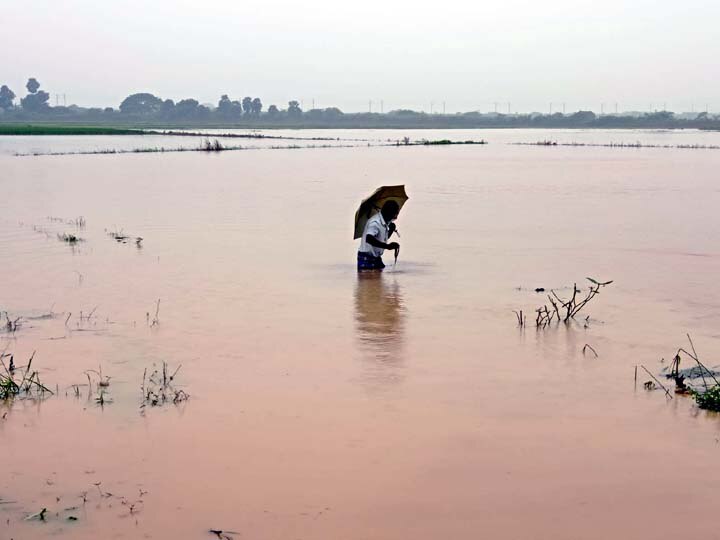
561 309
158 388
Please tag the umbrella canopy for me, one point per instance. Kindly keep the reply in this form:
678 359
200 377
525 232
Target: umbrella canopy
374 203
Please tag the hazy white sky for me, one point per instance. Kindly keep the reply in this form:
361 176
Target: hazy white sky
469 54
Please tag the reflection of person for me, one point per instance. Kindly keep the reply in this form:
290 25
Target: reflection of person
378 230
379 314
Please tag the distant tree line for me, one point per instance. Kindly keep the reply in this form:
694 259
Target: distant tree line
148 109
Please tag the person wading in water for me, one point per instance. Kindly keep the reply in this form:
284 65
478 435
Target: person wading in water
378 229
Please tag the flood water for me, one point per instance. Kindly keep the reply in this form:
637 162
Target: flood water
324 404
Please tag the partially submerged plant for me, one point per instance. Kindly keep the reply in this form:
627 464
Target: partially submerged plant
158 389
27 387
698 381
708 400
11 325
122 237
69 238
212 146
119 236
561 309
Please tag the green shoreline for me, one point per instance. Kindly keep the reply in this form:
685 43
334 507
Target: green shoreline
59 129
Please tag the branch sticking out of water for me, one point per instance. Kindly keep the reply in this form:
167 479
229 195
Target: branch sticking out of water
667 392
566 309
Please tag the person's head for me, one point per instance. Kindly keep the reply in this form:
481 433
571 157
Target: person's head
390 210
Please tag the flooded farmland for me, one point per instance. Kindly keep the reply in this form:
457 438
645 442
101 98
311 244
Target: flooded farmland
323 404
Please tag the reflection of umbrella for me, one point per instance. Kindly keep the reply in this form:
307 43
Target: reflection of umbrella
374 203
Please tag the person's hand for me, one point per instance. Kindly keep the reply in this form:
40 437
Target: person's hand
393 245
391 228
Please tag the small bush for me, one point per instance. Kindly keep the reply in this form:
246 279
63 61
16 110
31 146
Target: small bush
708 400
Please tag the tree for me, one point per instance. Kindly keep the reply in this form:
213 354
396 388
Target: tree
224 105
273 111
332 112
294 109
167 108
202 112
256 106
187 108
229 109
141 104
36 102
583 117
247 105
6 98
32 85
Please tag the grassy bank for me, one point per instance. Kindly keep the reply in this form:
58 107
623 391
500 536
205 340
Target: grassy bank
67 129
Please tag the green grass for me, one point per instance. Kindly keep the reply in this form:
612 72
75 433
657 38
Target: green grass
50 129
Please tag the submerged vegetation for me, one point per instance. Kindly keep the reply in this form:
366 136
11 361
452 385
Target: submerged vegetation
637 144
698 381
441 142
158 388
562 310
207 145
26 386
69 238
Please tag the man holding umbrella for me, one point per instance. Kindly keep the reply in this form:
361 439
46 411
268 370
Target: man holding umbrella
374 225
378 229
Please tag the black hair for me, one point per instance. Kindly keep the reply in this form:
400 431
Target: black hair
390 209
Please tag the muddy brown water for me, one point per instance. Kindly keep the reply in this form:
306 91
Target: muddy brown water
327 405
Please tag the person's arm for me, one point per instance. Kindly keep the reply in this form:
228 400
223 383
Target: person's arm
374 242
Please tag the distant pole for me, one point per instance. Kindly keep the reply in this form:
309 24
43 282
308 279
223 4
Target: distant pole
664 106
551 107
64 100
496 107
651 107
370 105
313 103
382 106
602 109
431 107
616 108
508 107
443 107
692 108
563 109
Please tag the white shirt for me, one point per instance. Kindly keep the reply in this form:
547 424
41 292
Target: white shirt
376 227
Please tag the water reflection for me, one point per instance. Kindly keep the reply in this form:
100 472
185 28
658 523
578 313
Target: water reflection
379 324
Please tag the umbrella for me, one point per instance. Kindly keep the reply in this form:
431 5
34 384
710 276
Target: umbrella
374 203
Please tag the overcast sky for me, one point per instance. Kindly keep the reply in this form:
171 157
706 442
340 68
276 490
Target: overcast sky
409 54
